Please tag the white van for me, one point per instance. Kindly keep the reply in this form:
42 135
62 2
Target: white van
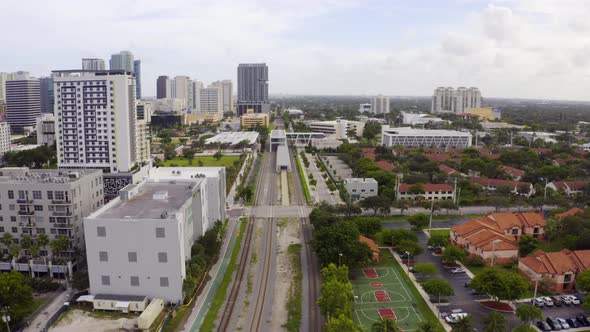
454 318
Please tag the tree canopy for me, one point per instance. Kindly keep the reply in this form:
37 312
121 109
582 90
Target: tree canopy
501 284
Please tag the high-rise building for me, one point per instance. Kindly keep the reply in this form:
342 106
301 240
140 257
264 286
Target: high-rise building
455 101
252 88
137 71
23 102
226 94
47 95
210 100
196 105
96 120
180 87
380 104
93 64
46 129
161 84
4 138
3 78
122 61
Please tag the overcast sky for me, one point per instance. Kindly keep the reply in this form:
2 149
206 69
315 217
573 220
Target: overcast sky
507 48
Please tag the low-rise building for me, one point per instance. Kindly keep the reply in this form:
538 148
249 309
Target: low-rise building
234 137
200 117
559 269
325 143
251 120
497 234
513 172
414 119
485 113
569 188
374 249
516 187
409 137
46 129
361 188
338 129
571 212
428 191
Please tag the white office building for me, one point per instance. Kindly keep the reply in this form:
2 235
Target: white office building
165 217
3 78
93 64
96 124
122 61
211 100
46 129
455 101
409 137
226 87
4 138
380 105
338 129
361 188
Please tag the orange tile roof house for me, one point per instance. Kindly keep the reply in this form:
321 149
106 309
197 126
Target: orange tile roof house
372 245
493 184
570 188
571 212
497 234
514 173
559 268
448 170
431 192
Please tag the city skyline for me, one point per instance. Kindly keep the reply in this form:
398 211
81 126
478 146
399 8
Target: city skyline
506 48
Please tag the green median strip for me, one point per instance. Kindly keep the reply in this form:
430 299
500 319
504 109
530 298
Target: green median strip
294 301
302 178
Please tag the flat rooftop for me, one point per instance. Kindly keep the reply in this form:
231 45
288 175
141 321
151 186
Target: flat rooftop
408 131
278 133
360 180
233 137
151 201
25 175
183 173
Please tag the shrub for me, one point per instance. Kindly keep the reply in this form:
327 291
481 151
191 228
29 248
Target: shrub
475 261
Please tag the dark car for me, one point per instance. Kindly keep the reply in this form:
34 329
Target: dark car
573 322
467 284
555 326
583 320
557 301
543 326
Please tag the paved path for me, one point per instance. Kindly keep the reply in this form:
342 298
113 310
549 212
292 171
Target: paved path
39 322
204 300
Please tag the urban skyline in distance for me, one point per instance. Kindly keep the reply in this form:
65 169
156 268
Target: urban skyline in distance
512 49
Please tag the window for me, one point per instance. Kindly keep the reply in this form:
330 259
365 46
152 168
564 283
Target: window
1 229
134 281
21 194
132 256
162 257
101 231
160 232
105 280
37 194
567 278
515 231
60 195
14 230
11 194
11 207
164 282
49 194
38 207
12 218
103 256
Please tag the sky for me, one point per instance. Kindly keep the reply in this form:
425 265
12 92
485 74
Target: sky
536 49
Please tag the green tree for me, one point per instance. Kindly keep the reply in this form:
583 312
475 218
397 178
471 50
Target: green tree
218 155
246 193
499 202
526 245
7 239
42 241
410 246
26 242
372 129
395 236
376 203
341 238
342 323
425 268
528 313
59 244
503 191
524 328
17 295
189 154
385 325
368 226
334 272
465 324
419 220
438 287
428 326
500 284
438 240
417 189
335 298
14 250
453 253
494 322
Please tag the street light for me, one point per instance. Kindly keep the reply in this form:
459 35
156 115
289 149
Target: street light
339 259
494 250
408 254
6 317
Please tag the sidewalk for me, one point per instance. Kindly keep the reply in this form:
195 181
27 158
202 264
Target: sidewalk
38 324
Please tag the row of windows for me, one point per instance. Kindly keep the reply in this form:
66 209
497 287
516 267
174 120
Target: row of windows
101 231
103 256
37 194
71 84
363 190
29 230
133 281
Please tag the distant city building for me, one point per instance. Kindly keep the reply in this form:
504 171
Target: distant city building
161 84
211 101
46 129
455 101
325 143
226 87
137 71
93 64
23 102
380 105
234 137
47 94
180 88
338 129
199 117
414 119
294 112
365 108
251 120
3 78
122 61
4 138
252 88
409 137
109 139
361 188
485 113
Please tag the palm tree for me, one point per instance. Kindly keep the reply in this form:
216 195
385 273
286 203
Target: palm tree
386 325
14 250
427 326
42 241
26 242
495 322
6 239
465 324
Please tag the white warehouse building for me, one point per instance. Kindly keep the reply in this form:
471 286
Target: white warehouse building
361 188
409 137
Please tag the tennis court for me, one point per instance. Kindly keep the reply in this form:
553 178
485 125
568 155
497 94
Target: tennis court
381 293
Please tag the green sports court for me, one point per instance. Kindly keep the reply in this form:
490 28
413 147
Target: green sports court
381 292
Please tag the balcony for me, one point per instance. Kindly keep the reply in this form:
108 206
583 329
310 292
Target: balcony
63 214
63 225
26 213
62 201
24 201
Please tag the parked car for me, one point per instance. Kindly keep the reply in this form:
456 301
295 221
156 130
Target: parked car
583 320
547 300
454 318
575 300
555 326
563 323
537 302
557 301
573 322
467 283
543 326
457 270
566 300
432 247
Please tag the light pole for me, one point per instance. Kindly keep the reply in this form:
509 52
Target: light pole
408 254
6 317
431 212
536 285
494 250
339 259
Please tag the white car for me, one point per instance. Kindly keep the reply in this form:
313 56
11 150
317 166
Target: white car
547 300
563 323
454 318
566 300
538 302
575 300
457 270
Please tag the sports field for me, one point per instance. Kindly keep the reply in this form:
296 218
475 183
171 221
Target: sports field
380 293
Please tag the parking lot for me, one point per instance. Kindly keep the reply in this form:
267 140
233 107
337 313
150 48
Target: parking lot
563 311
337 168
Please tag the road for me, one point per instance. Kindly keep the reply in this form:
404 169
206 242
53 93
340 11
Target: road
38 324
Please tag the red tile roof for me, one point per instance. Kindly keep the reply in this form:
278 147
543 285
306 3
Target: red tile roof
514 172
369 153
370 243
573 185
570 212
428 187
447 169
497 182
437 157
558 262
385 165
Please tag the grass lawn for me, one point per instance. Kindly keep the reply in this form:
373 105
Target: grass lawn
444 232
174 323
226 161
550 246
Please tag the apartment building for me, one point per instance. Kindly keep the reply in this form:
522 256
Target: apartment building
455 101
361 188
251 119
559 268
4 138
23 102
516 187
211 100
569 188
427 191
338 129
252 88
380 105
46 129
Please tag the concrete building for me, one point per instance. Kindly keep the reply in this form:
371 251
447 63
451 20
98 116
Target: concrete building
180 88
283 160
137 71
122 61
4 138
226 87
278 137
361 188
338 129
250 120
234 137
485 113
365 108
48 201
325 143
103 103
408 137
161 90
211 100
46 94
516 187
142 142
455 101
380 105
429 192
252 88
569 188
3 78
23 102
145 109
93 64
199 117
46 129
416 119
